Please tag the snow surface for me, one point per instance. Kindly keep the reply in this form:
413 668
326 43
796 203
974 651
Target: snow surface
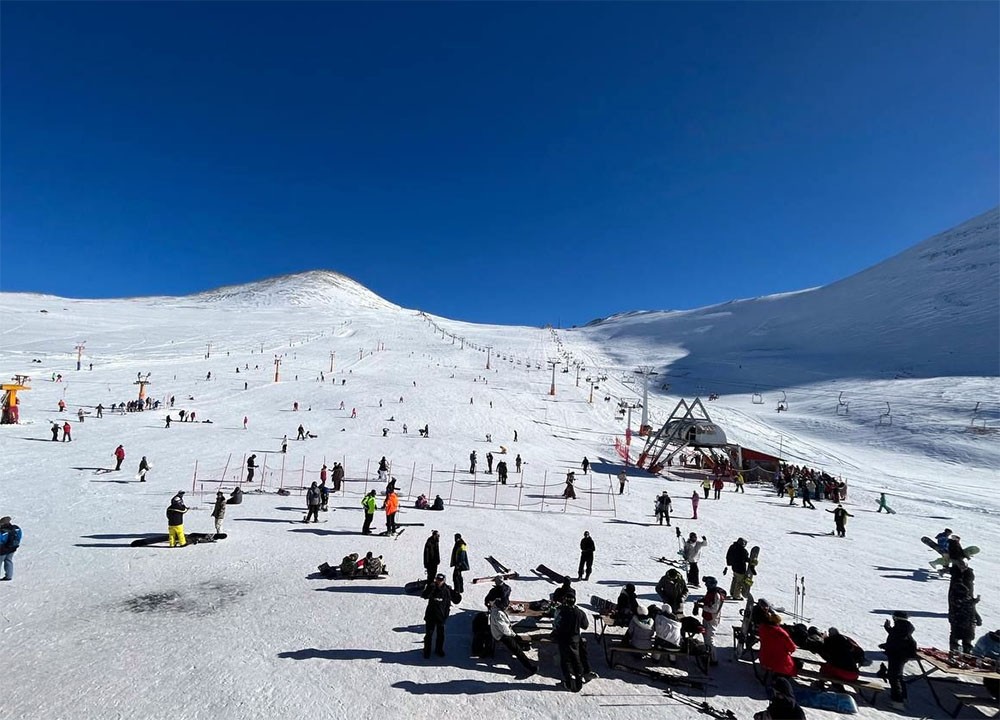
93 628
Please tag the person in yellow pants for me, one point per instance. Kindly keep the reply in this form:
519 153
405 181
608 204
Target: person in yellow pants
175 520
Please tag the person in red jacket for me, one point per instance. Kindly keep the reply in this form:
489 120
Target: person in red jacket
119 456
776 647
67 433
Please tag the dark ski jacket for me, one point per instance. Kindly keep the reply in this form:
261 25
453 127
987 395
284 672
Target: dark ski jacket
432 553
219 511
10 539
338 475
587 545
460 556
842 652
899 644
568 623
439 599
782 708
955 550
737 558
672 588
962 613
175 513
499 592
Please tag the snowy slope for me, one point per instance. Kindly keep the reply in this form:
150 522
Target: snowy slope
93 628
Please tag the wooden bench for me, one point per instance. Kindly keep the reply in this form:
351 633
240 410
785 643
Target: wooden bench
981 701
861 686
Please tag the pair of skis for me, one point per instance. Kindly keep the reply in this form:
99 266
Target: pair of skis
502 570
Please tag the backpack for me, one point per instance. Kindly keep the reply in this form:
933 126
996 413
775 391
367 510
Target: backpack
349 565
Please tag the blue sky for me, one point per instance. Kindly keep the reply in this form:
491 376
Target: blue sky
508 163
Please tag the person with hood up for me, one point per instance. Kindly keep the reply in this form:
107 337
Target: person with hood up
672 589
460 562
627 606
899 647
776 647
783 704
640 630
314 500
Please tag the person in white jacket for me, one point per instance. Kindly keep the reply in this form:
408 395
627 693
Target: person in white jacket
640 630
692 551
711 613
503 632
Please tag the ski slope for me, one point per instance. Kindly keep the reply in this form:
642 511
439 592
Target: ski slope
93 628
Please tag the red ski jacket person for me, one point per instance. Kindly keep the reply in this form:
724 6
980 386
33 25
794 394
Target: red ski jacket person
776 648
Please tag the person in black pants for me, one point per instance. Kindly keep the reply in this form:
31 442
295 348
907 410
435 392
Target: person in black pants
439 598
899 647
568 623
586 557
432 555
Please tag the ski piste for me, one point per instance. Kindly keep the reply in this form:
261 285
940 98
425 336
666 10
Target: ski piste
190 539
682 680
497 565
552 575
507 576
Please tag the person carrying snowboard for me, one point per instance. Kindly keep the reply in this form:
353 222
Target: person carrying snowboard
840 516
883 505
143 469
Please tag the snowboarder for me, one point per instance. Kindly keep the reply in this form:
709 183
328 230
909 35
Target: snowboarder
354 413
739 483
219 511
10 541
663 507
175 520
472 466
438 503
622 479
143 469
432 555
884 505
391 507
439 599
586 557
585 465
692 551
807 492
569 492
736 559
694 505
119 457
314 499
368 503
840 516
942 540
251 467
460 562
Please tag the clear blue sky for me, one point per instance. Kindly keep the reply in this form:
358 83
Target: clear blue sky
510 163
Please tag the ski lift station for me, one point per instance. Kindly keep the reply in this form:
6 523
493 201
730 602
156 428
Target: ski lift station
689 426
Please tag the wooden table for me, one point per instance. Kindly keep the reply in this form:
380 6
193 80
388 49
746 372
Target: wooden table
930 664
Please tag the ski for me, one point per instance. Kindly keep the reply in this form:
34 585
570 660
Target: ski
393 535
674 562
505 576
497 565
702 706
401 524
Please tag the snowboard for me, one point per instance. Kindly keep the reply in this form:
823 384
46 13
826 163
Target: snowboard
190 539
497 565
826 700
681 564
506 576
551 574
603 607
744 643
751 568
416 587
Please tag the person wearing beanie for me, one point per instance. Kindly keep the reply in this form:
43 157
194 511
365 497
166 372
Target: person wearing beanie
640 630
776 647
692 552
10 541
368 503
628 604
439 599
219 511
175 520
783 704
899 647
503 632
711 613
460 563
499 593
737 558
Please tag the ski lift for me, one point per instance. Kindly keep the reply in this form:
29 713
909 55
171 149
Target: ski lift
757 398
842 406
783 403
886 417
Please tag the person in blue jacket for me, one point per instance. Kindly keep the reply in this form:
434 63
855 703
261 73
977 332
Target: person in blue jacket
10 541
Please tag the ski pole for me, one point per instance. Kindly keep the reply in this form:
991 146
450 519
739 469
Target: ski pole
795 588
803 596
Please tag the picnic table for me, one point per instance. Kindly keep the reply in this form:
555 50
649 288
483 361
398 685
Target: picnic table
955 672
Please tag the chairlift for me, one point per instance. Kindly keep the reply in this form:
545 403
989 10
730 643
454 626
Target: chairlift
886 417
842 406
757 398
783 403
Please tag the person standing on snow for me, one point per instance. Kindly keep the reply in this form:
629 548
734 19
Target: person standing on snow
692 551
251 466
517 463
706 485
324 494
737 558
391 506
219 511
622 479
314 500
489 463
884 505
67 432
10 541
694 505
383 469
175 520
840 516
717 486
586 557
368 503
439 599
663 507
460 562
899 647
585 465
119 457
55 432
472 463
567 625
143 469
432 555
338 476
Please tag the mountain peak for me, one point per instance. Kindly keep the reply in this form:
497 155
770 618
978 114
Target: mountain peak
313 288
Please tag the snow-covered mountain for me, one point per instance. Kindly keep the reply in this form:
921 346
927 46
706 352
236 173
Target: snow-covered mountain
316 288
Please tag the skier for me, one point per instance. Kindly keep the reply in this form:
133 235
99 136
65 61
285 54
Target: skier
517 463
354 413
499 593
284 444
899 647
460 562
55 432
432 555
840 516
119 457
314 500
566 626
67 432
884 505
711 613
663 508
62 405
391 507
503 632
585 465
622 479
472 466
736 559
692 551
694 505
439 598
219 511
489 463
586 557
10 541
301 434
368 503
175 520
143 469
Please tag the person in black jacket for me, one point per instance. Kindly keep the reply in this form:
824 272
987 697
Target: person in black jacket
432 555
586 557
566 626
899 647
962 615
175 520
628 603
499 593
737 558
439 598
672 589
783 704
